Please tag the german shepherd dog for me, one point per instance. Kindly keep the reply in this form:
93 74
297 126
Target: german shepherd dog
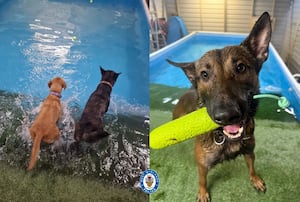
224 81
90 127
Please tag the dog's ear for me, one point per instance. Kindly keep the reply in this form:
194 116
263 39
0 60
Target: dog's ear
188 68
50 83
64 85
259 38
102 70
118 74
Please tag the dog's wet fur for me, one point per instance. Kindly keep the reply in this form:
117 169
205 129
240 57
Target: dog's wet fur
224 81
44 127
90 127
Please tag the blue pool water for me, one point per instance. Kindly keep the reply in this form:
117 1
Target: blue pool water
274 76
43 39
71 39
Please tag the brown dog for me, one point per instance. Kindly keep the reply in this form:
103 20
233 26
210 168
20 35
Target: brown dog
44 127
90 127
224 81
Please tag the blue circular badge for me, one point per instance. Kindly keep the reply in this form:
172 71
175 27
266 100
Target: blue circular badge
149 181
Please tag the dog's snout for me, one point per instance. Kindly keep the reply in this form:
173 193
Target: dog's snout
226 117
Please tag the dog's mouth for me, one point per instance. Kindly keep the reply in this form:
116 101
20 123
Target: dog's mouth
233 131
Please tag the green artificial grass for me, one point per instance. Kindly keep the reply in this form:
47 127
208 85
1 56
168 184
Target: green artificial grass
277 159
18 185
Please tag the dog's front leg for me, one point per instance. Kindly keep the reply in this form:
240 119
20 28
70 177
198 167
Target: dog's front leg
203 195
258 183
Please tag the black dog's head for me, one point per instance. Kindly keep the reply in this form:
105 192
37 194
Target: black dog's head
226 79
109 76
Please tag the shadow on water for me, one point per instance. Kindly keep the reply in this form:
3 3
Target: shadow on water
119 158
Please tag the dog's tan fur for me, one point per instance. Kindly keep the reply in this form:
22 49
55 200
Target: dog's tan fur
44 127
187 103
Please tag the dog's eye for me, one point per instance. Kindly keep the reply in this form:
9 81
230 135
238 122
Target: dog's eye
204 75
240 68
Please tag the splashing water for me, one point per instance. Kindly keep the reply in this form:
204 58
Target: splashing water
120 158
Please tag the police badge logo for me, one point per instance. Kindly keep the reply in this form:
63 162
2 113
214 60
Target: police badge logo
149 181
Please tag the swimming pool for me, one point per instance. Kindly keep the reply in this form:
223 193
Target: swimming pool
52 38
71 39
274 77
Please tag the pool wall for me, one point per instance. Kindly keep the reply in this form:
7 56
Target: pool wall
275 78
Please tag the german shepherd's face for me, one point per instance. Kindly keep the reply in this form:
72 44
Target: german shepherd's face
226 79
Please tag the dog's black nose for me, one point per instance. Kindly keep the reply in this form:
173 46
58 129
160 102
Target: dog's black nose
228 116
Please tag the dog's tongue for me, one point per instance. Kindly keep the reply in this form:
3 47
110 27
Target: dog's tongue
232 128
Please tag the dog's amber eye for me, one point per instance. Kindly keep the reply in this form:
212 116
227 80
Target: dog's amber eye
204 75
240 68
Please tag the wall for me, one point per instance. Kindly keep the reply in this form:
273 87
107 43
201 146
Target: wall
237 16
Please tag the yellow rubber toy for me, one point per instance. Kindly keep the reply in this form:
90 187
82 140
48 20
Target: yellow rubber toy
183 128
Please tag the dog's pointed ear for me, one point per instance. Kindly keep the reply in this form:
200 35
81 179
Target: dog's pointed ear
50 83
117 75
188 68
102 70
259 38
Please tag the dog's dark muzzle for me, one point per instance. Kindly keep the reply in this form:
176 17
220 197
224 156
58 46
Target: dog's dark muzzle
226 114
230 118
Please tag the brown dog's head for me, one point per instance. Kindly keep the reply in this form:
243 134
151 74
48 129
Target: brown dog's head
57 84
226 79
109 76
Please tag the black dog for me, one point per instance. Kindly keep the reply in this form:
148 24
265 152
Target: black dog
90 126
224 81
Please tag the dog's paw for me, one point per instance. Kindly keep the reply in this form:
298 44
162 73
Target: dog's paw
204 197
258 183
